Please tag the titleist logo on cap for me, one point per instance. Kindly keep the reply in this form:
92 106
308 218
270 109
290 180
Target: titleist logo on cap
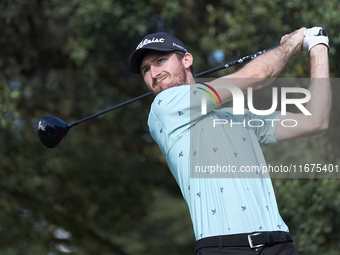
148 41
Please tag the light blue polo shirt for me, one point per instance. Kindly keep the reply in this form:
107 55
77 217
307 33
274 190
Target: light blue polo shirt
229 203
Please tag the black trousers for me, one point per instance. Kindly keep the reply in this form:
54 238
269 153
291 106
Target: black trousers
287 248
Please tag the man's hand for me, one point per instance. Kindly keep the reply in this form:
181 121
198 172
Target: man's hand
294 40
314 36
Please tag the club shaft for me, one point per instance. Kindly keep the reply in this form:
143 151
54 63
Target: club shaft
218 68
110 109
233 63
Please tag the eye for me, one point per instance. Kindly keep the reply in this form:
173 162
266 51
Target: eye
160 60
146 70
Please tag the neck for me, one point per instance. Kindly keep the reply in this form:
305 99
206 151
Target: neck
190 79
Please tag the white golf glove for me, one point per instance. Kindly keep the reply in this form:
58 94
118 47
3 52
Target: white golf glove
314 36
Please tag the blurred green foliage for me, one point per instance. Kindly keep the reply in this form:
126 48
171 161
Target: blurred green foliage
106 189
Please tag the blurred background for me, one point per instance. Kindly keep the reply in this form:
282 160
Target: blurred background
106 188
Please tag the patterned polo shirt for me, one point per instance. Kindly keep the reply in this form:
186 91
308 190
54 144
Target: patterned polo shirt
195 150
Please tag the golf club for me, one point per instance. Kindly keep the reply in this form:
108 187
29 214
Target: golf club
52 130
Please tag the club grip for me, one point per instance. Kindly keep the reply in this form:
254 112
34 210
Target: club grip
322 32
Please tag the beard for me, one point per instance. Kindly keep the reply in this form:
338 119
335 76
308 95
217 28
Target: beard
178 78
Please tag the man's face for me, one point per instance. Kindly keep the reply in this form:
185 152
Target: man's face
163 70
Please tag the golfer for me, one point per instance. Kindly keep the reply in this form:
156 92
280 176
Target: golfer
229 215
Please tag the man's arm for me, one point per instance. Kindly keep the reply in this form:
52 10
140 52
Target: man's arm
319 105
268 65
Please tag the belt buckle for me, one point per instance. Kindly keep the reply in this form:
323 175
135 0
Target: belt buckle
250 241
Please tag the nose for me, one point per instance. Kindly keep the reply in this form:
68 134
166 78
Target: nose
154 71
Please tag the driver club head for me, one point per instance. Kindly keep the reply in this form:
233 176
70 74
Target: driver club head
52 130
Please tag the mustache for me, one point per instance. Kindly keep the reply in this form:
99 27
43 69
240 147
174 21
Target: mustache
158 79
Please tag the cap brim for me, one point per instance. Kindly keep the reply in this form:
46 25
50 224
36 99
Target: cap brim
135 58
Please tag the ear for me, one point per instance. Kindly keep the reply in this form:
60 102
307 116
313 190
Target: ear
187 60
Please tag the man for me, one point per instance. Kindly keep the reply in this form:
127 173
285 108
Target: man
230 215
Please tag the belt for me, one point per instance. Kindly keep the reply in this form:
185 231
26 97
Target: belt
252 240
